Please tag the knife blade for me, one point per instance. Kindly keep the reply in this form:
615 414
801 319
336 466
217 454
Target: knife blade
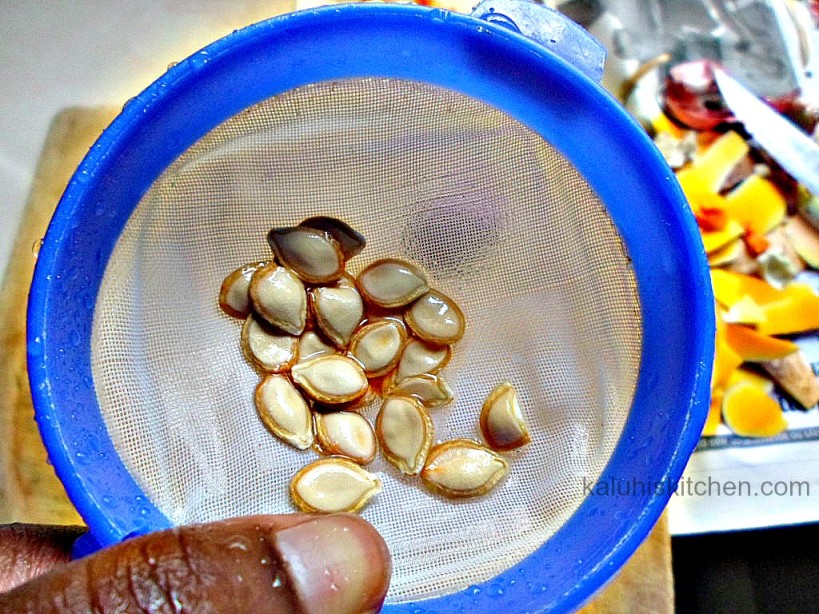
794 150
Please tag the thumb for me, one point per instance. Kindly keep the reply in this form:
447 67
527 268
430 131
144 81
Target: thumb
296 563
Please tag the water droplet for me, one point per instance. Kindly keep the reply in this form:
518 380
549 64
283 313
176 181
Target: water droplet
108 500
172 64
35 247
264 562
151 561
277 581
144 511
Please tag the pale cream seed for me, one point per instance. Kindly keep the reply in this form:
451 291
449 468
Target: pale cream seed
284 411
234 295
419 357
436 319
310 253
266 348
405 432
278 295
338 312
462 468
333 485
501 420
347 434
377 345
430 389
311 345
392 283
333 379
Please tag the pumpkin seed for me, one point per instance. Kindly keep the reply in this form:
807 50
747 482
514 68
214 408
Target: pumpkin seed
501 420
377 345
436 319
338 311
392 283
311 254
284 411
405 433
431 390
349 240
311 345
266 348
234 296
333 485
332 379
462 468
346 434
278 295
420 357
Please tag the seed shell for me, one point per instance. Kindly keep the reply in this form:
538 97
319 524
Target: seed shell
312 345
405 432
333 485
462 468
391 283
266 348
338 311
278 295
284 411
419 357
436 319
346 434
377 345
310 253
431 390
349 240
501 420
332 379
234 295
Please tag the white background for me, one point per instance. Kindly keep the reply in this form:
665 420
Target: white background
60 53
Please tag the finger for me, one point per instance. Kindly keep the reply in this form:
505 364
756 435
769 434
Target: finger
29 550
313 565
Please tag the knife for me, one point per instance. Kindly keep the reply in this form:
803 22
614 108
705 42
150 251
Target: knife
794 150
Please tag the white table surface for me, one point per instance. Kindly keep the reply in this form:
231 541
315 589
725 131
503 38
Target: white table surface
60 53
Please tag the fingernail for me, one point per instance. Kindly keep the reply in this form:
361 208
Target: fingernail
335 565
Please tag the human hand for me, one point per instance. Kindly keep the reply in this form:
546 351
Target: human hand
280 564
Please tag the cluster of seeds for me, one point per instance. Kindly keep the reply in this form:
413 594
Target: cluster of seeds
326 345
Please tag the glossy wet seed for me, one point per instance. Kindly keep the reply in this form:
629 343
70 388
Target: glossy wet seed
392 283
436 319
333 485
377 345
332 380
347 434
405 432
284 411
234 295
278 295
350 240
338 311
419 357
312 345
462 468
266 348
310 253
431 390
501 420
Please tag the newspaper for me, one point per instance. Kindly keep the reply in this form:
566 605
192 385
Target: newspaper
734 482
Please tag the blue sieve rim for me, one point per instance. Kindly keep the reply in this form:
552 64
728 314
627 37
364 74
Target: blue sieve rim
475 58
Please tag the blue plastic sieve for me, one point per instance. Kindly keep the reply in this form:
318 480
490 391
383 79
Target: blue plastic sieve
515 58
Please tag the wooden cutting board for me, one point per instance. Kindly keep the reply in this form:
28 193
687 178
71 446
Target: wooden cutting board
29 490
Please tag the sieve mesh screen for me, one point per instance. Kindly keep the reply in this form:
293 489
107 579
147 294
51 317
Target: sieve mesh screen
500 221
